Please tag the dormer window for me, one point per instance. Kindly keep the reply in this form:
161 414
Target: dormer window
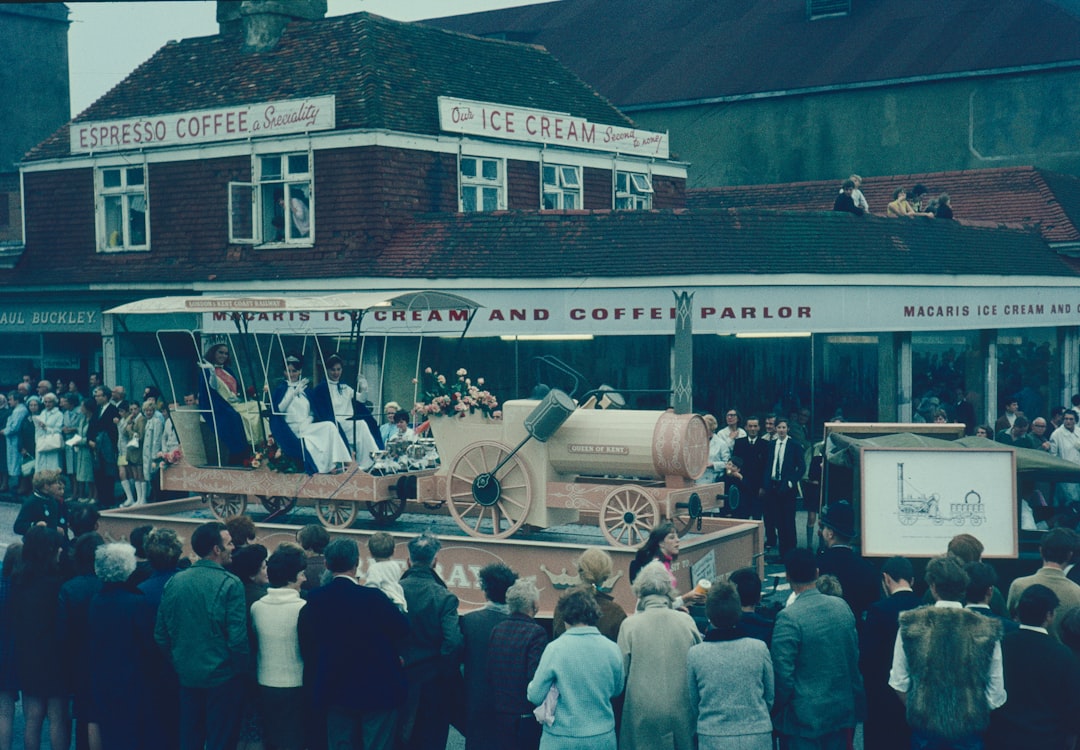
279 207
481 183
122 209
562 187
633 191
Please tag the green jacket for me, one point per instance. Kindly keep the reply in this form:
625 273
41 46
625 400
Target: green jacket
202 625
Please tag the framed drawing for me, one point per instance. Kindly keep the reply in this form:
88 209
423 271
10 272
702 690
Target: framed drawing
914 500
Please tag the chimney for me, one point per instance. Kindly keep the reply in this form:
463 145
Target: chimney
259 23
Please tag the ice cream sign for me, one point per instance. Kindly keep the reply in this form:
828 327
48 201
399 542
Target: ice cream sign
541 126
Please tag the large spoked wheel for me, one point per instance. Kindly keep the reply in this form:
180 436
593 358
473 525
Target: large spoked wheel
627 515
223 505
336 514
486 503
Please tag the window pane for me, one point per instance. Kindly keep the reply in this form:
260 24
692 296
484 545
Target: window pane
491 199
270 167
110 178
114 221
570 201
299 211
468 167
641 183
135 176
298 164
551 201
942 362
622 203
549 176
272 203
569 176
491 169
1028 371
468 199
622 182
137 221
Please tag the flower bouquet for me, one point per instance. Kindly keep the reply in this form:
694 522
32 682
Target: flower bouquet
443 397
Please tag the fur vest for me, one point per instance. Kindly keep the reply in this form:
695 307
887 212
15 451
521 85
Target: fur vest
949 653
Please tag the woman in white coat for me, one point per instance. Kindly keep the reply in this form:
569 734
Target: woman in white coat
657 714
49 422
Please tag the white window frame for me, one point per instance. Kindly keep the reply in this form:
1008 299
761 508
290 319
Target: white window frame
251 202
479 185
131 197
564 188
633 191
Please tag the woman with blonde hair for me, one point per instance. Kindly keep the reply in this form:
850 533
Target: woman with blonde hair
594 568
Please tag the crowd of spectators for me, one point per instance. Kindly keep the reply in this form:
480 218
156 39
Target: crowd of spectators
97 442
241 648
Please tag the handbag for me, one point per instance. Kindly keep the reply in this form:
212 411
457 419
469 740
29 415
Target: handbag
133 443
27 469
52 442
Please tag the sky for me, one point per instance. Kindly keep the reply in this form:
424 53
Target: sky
108 40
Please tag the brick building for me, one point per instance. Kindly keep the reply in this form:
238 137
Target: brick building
308 154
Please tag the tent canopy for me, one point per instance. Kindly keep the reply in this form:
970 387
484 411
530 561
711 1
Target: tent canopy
843 450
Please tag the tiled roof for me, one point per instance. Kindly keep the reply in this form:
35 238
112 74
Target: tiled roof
577 244
384 74
683 242
1015 196
680 50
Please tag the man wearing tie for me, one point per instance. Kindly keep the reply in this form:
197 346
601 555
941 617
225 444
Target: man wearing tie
785 470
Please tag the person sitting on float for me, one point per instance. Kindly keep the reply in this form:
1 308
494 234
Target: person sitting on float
219 391
319 444
332 400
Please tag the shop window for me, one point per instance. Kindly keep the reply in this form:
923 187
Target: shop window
562 187
633 191
279 207
481 182
122 211
5 209
1028 371
944 364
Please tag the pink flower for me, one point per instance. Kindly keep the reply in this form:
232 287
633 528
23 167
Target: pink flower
480 382
462 372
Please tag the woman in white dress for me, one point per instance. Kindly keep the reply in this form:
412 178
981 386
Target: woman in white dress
318 444
331 396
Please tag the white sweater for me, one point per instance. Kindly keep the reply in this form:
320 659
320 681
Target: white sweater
274 619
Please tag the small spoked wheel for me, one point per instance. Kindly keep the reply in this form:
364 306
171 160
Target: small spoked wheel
223 504
387 511
486 499
627 515
277 504
907 517
336 514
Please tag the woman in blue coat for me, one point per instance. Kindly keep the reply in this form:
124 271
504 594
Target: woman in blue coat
587 669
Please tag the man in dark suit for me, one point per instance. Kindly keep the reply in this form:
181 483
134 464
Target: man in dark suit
885 726
815 656
101 435
1042 680
858 578
350 636
754 452
476 629
783 472
982 578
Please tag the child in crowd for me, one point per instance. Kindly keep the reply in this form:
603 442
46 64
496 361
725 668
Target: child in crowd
383 573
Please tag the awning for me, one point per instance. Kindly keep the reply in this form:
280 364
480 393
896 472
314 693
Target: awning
345 301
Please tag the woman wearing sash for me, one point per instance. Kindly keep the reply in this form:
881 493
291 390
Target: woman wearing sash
220 393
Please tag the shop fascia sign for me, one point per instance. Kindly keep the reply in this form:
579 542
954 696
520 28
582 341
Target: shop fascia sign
205 126
32 318
719 310
513 123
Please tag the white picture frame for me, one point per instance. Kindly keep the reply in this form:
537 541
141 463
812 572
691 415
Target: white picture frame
914 500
